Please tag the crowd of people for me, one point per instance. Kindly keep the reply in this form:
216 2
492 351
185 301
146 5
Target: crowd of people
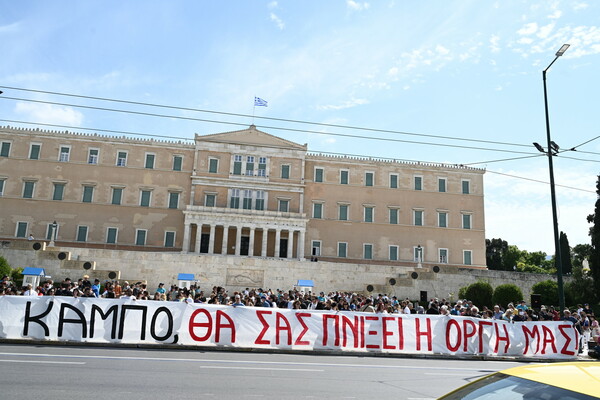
582 317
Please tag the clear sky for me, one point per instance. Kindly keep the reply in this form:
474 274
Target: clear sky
467 70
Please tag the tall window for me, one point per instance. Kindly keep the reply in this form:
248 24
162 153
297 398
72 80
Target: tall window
344 176
247 202
418 183
28 188
317 210
5 149
262 166
21 229
442 219
93 156
149 161
140 237
467 257
210 200
369 177
34 151
393 253
367 251
318 174
394 181
259 204
117 194
111 235
342 249
88 194
121 159
59 191
250 165
442 185
369 214
169 239
393 215
50 231
343 212
284 205
466 219
234 202
316 248
145 196
285 171
237 164
418 253
443 256
82 232
64 153
177 162
418 217
213 165
2 186
466 189
173 199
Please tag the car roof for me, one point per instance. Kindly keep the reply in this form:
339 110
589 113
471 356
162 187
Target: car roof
582 377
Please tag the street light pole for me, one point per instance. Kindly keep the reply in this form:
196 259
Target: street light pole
552 148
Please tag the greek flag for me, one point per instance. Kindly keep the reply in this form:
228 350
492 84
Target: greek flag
260 102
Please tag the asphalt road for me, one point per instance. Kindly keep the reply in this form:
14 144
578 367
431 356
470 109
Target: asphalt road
57 372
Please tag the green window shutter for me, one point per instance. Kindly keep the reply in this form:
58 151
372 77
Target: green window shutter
394 181
393 215
369 179
442 220
419 218
1 187
173 200
111 236
140 237
318 210
116 196
213 165
418 183
177 161
368 252
259 204
466 221
465 187
343 213
247 203
234 202
319 175
250 168
285 172
237 168
169 239
262 169
342 249
34 154
149 161
284 205
22 229
442 185
88 194
28 190
467 257
368 214
5 149
393 253
210 200
82 233
344 177
59 190
145 198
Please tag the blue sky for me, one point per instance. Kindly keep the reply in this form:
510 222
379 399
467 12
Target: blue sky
459 69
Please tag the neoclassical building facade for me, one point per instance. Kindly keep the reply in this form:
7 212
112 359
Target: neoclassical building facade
245 193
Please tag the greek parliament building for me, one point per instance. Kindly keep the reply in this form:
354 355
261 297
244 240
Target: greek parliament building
245 193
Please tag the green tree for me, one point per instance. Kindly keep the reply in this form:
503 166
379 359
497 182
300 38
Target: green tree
565 254
580 253
581 289
5 268
480 293
507 293
594 258
494 253
548 290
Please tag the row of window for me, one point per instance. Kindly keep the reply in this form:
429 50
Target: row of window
93 156
393 252
58 194
111 236
393 215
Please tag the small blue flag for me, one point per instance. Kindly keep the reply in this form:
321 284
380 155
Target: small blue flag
260 102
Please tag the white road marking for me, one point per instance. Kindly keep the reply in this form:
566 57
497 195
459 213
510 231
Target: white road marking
44 362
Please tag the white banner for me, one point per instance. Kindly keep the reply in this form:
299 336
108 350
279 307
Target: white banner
159 322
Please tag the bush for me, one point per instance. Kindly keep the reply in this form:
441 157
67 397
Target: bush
462 292
480 293
507 293
548 290
4 267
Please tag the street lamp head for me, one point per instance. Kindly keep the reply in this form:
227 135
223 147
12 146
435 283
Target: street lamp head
562 50
539 147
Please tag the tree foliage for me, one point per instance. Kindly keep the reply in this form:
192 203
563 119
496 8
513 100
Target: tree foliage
548 290
495 250
594 258
565 254
5 268
480 293
507 293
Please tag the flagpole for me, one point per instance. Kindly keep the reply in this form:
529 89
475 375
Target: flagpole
253 109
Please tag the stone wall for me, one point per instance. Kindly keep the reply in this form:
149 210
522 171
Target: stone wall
235 273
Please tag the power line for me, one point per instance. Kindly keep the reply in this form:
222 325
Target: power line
267 118
539 181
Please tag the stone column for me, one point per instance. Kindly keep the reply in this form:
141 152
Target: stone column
198 237
238 239
277 239
211 242
265 235
225 240
301 245
251 244
186 238
290 247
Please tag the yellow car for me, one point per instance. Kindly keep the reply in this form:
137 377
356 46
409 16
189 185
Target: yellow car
564 381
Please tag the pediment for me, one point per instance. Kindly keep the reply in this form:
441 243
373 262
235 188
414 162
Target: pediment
252 137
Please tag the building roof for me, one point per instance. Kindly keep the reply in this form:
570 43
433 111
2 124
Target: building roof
253 137
185 277
34 271
305 283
